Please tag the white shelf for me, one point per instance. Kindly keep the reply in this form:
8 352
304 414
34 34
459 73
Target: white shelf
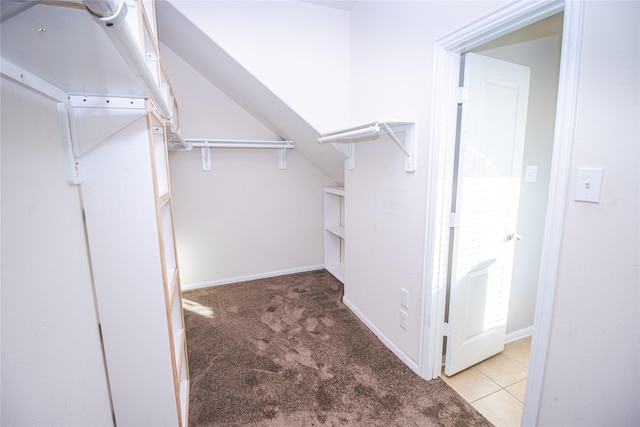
172 280
338 191
184 391
338 230
334 231
178 344
160 158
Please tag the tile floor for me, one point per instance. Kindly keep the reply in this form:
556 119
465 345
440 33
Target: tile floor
496 386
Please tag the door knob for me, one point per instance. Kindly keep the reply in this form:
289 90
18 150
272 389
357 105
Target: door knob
512 236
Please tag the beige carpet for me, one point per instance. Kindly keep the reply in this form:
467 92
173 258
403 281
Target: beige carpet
285 351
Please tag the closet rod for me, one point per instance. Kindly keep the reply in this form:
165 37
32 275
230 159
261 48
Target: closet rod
230 143
110 14
351 134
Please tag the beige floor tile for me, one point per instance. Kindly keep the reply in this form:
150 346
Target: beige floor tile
517 390
503 370
501 409
471 384
519 351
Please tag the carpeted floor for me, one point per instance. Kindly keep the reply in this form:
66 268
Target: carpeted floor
285 351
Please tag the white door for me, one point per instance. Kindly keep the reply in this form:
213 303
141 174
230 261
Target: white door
492 131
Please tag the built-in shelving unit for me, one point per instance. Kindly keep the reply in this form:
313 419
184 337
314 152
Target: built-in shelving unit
116 110
334 231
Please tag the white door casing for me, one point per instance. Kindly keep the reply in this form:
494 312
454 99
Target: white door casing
493 122
446 64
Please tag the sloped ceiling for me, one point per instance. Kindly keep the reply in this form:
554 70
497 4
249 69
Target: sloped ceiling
223 71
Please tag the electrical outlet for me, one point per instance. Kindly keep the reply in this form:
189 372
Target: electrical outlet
404 319
404 298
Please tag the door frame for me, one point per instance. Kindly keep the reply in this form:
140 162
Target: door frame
447 53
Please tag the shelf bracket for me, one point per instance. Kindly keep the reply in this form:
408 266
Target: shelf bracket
347 150
282 158
205 154
372 131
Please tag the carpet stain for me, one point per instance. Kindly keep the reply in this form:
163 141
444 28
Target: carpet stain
285 351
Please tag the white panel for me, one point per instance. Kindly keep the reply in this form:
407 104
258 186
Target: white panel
52 364
167 239
119 202
78 61
160 157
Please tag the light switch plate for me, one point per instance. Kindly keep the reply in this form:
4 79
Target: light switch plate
589 184
404 298
531 173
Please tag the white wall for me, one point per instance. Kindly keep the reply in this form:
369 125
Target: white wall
593 372
52 366
246 217
391 77
543 57
298 50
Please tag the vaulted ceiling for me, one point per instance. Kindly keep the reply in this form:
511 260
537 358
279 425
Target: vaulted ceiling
192 44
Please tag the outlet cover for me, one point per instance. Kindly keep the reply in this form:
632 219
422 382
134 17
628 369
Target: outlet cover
404 319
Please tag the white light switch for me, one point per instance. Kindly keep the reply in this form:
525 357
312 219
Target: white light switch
588 185
404 298
531 174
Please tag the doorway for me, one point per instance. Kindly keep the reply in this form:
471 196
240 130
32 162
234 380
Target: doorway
447 60
496 387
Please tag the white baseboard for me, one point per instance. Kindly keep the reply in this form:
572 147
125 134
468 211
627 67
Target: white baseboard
519 334
229 280
382 337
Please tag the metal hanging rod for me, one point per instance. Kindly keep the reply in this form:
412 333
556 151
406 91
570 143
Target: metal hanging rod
237 143
351 135
110 14
206 145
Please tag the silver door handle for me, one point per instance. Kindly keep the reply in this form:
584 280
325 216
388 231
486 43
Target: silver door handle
512 236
